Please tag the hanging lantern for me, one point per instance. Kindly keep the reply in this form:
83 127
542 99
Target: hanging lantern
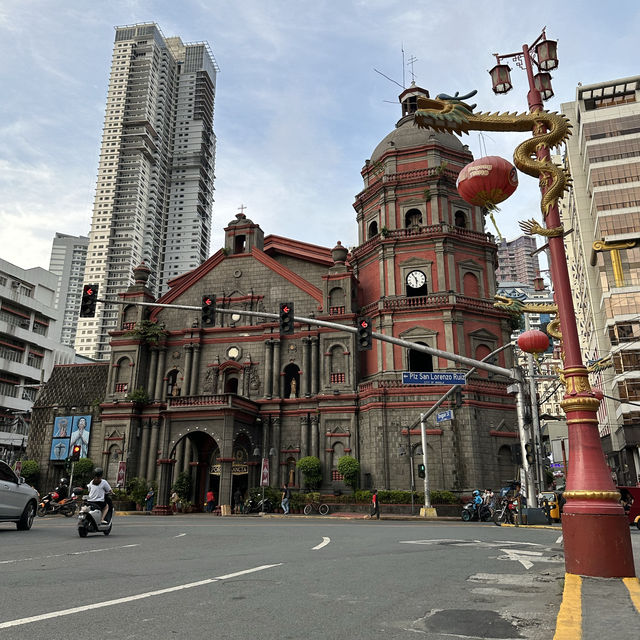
547 52
487 181
500 78
542 82
533 341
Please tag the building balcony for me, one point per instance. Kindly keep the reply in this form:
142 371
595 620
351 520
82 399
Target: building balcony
223 401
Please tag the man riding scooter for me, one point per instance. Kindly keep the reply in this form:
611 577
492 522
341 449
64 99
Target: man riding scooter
99 490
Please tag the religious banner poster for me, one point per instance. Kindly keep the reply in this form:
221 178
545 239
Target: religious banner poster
122 472
264 474
59 449
62 427
80 432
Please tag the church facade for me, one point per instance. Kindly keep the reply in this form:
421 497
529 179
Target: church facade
214 401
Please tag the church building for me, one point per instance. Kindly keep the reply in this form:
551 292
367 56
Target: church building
214 401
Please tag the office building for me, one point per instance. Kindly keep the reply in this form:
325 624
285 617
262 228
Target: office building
68 257
603 209
154 189
515 262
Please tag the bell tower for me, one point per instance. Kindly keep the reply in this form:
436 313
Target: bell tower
425 264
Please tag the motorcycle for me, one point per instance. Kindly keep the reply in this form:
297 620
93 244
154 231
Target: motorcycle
482 513
257 506
505 512
67 507
90 519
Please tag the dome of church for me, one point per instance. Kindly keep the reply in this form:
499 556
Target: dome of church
407 135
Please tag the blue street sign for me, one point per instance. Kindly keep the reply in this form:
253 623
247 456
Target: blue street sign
442 416
433 377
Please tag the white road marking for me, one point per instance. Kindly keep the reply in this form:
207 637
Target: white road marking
473 543
69 553
559 540
324 543
526 558
139 596
180 535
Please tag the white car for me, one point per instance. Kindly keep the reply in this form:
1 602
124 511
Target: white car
18 500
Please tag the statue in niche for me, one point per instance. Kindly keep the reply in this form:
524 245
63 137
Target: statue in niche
292 476
210 380
254 379
294 386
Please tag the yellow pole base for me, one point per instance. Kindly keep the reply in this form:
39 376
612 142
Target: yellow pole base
428 512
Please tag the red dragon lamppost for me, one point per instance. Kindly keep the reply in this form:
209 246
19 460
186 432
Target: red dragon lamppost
595 529
596 532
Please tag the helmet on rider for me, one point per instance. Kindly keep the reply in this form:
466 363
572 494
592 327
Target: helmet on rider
63 481
476 493
98 472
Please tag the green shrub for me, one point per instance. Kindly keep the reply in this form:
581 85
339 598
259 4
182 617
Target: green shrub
182 486
404 497
30 472
350 469
443 497
137 489
311 469
83 472
139 396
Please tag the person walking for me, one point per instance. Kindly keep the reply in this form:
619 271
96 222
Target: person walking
210 501
174 502
375 505
237 501
286 496
148 499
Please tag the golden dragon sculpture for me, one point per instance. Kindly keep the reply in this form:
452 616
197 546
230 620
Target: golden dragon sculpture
451 114
517 307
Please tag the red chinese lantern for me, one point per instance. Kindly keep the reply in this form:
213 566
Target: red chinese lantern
487 181
533 341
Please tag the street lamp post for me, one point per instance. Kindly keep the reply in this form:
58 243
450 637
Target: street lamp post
595 529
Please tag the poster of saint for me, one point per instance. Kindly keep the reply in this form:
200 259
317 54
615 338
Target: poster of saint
62 427
80 432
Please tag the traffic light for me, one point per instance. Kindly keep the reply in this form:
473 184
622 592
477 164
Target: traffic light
208 311
286 317
364 341
421 471
516 454
75 453
89 299
529 451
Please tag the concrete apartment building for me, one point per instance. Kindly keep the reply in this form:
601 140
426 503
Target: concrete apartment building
603 209
515 262
68 258
154 190
29 348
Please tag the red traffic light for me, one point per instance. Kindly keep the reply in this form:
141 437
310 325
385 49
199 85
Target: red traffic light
75 453
364 324
207 301
285 309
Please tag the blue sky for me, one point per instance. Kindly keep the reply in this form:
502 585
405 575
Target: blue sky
299 106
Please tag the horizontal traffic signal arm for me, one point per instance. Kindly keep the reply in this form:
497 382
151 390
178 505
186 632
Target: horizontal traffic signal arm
511 374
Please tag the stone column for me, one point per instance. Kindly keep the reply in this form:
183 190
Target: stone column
314 365
274 479
304 436
195 366
277 392
159 388
144 449
179 456
314 436
304 377
188 359
187 456
153 372
153 452
268 368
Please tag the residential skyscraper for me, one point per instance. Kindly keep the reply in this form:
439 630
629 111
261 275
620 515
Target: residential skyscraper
68 258
515 262
154 190
603 209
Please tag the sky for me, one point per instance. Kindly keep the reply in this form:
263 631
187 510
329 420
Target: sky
299 104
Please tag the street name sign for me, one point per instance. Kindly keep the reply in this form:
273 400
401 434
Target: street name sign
433 377
442 416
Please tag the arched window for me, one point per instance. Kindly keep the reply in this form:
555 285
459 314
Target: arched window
419 361
373 229
129 318
413 218
470 285
238 244
336 453
173 384
292 381
460 219
482 351
291 472
122 376
505 465
337 365
231 384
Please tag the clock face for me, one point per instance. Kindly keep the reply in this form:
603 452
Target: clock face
416 279
233 352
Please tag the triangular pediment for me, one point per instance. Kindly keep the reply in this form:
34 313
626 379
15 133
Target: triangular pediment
417 333
482 334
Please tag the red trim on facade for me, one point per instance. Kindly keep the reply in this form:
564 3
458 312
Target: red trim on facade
166 461
337 435
295 248
503 434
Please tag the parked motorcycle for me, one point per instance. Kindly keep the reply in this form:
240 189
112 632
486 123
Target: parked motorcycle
482 513
257 506
90 519
51 504
505 512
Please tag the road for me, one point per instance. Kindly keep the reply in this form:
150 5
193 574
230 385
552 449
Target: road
202 576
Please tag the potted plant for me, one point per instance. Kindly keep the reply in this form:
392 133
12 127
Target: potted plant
311 469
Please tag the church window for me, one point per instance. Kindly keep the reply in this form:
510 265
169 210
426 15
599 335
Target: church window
373 229
231 384
419 361
460 219
239 244
173 386
336 301
122 375
413 218
471 286
291 381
